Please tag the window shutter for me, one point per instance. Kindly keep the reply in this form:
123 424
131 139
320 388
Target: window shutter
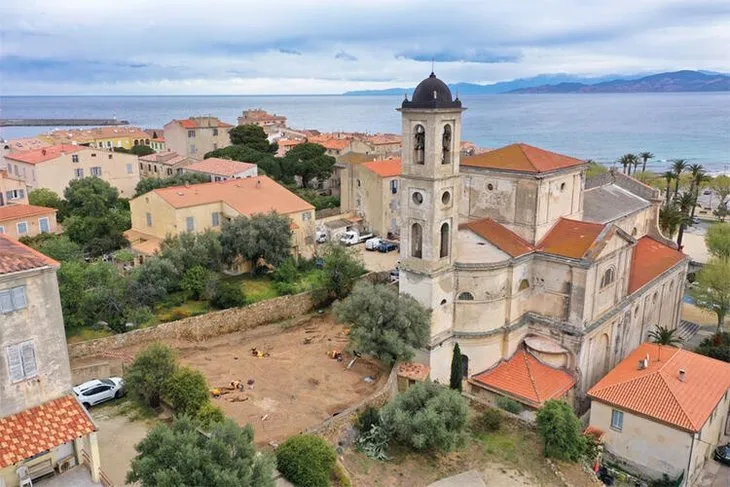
29 365
18 297
15 364
6 302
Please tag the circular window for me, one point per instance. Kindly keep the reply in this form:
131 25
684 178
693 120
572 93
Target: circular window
417 198
446 197
490 186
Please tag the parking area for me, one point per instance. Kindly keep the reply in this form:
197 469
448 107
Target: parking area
377 261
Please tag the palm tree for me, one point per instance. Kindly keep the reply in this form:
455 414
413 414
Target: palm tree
670 218
645 156
669 175
685 204
664 336
627 161
678 165
699 176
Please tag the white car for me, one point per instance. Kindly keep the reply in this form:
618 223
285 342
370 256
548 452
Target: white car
372 243
97 391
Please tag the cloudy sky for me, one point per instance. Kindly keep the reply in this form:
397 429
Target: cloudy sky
285 46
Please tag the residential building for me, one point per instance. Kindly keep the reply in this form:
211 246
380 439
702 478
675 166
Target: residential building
21 220
338 144
200 207
22 144
662 410
99 138
518 257
196 136
371 192
158 144
285 145
162 164
12 190
385 144
271 123
56 166
223 169
43 427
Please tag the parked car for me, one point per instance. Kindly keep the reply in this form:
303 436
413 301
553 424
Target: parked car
353 237
97 391
373 243
707 192
695 220
722 454
386 246
321 236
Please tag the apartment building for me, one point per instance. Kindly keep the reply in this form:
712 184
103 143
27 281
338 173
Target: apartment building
196 136
55 166
271 123
370 189
162 164
12 190
21 220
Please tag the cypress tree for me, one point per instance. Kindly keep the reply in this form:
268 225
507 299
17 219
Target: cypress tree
456 366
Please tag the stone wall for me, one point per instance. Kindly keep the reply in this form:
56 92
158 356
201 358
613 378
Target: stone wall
201 327
97 370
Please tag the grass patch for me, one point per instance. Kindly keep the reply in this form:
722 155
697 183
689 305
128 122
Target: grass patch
76 335
165 313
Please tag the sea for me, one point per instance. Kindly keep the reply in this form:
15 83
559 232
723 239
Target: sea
602 127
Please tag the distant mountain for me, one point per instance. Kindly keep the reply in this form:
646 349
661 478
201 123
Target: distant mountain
502 86
657 83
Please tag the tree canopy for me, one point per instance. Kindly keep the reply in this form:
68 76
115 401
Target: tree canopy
49 199
188 250
561 430
264 237
148 377
385 324
253 137
309 162
138 150
717 239
181 456
711 289
340 270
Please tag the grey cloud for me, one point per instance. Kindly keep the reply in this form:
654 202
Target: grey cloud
344 56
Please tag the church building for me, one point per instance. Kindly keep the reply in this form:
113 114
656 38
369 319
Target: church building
545 280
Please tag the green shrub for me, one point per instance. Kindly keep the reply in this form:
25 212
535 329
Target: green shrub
228 295
509 405
374 443
306 461
147 378
187 390
488 421
283 288
209 414
367 419
179 314
561 429
286 272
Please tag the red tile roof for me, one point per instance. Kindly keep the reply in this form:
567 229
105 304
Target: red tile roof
16 257
413 371
194 123
41 428
25 143
571 238
11 212
658 393
501 237
46 154
384 139
650 259
526 378
385 169
220 167
523 158
328 142
158 139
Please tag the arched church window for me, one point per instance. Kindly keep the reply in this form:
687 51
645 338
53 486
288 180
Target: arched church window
416 241
464 366
446 145
608 277
444 252
466 296
524 284
419 144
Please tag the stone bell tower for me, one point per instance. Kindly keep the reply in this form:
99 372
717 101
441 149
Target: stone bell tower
429 200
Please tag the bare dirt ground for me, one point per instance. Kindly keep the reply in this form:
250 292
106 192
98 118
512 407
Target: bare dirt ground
297 386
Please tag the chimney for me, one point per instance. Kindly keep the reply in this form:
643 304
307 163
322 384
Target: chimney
258 183
682 375
646 360
43 151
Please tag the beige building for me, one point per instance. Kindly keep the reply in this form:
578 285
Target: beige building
200 207
99 138
196 136
223 169
385 144
271 123
662 410
158 144
370 190
56 166
516 254
12 190
21 220
162 164
43 427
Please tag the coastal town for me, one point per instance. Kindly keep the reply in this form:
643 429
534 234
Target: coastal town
357 309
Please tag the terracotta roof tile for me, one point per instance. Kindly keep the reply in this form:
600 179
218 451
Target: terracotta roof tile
330 143
571 238
158 139
501 237
42 428
221 167
248 196
194 123
16 257
650 259
11 212
385 169
25 144
289 142
658 393
83 136
523 158
384 139
169 158
46 154
413 371
524 377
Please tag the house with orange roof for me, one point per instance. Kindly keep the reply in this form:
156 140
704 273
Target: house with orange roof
54 167
545 280
12 189
158 144
163 164
21 144
218 169
43 427
270 122
385 144
21 220
201 207
662 410
195 136
98 137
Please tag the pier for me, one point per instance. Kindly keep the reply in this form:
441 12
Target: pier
60 122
